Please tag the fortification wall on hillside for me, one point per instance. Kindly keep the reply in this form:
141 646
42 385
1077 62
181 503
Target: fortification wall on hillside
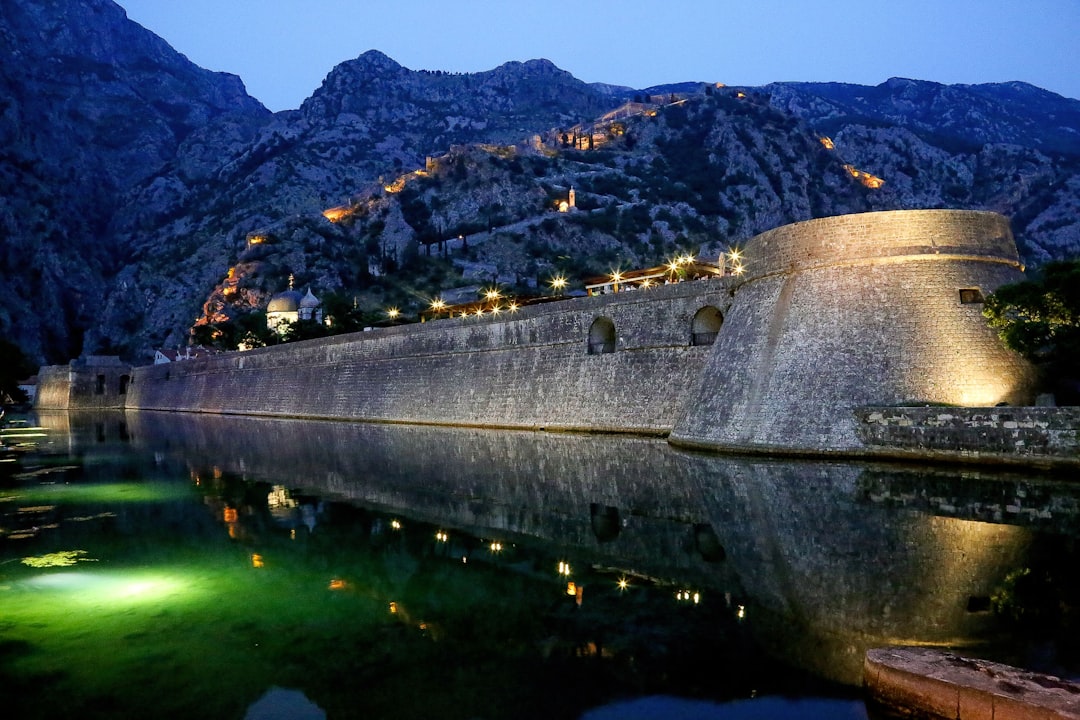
530 370
872 309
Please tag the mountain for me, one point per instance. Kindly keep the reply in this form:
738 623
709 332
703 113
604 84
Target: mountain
143 195
91 105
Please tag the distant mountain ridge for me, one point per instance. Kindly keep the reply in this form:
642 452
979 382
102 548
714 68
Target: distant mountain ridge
132 179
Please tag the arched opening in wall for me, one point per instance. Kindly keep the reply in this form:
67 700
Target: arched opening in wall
705 326
125 380
605 522
601 336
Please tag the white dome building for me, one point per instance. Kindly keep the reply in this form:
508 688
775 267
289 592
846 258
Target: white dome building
291 307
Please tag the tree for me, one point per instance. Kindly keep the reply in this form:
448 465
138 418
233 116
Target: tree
1040 319
14 366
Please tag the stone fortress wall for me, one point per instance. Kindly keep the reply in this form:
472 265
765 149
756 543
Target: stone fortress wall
872 309
529 370
834 314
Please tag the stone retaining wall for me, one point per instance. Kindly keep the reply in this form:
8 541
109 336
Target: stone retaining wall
979 433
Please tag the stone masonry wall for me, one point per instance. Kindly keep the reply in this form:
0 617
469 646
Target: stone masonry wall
94 382
54 387
855 310
529 370
991 434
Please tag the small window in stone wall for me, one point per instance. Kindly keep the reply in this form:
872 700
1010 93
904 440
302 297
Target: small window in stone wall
601 337
124 382
705 326
100 388
971 296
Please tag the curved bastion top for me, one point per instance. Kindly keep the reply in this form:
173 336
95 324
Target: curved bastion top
878 237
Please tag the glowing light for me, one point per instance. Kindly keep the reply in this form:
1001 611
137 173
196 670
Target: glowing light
393 608
571 589
740 612
393 313
337 213
827 142
396 524
94 588
229 515
623 583
512 307
492 294
442 536
496 547
256 560
558 283
738 269
496 310
564 568
871 181
479 312
697 598
339 584
438 304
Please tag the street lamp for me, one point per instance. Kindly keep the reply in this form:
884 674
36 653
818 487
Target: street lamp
616 278
393 313
558 284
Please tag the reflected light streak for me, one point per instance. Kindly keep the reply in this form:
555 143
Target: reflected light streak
92 588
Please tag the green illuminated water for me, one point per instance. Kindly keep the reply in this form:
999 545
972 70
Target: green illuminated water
172 566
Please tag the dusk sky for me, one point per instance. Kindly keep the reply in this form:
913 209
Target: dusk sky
283 49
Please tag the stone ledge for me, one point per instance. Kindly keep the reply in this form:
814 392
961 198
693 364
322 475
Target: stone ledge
991 433
940 684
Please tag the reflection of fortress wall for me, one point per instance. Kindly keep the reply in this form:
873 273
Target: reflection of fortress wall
535 485
856 310
528 370
827 571
831 574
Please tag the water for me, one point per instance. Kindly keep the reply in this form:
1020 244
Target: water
163 565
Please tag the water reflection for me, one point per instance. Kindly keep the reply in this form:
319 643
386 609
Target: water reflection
672 568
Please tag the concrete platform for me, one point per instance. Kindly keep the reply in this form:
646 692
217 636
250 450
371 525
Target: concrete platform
935 683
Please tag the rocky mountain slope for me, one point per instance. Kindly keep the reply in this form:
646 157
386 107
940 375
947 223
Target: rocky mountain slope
142 195
91 105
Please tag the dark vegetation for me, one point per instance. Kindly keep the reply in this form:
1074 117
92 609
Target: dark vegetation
1040 318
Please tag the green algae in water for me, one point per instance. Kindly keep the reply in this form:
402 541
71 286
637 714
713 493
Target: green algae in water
62 558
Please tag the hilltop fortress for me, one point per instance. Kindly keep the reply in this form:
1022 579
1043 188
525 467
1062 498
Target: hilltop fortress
839 328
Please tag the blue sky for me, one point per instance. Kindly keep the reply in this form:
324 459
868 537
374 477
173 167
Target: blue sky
283 49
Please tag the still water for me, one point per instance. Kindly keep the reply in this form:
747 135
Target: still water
165 565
